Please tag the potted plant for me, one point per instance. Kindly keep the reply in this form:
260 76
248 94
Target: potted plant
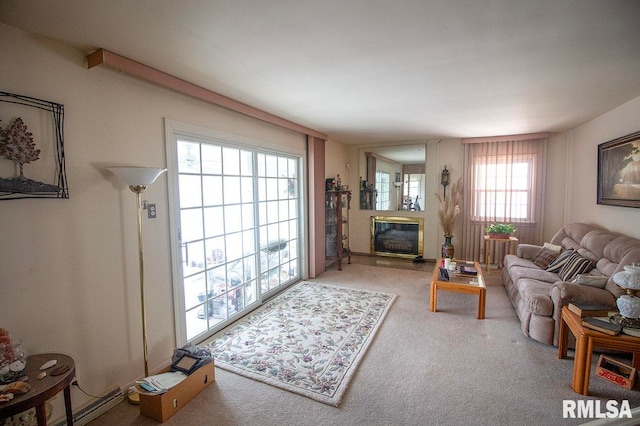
500 230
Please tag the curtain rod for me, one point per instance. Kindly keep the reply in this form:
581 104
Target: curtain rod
523 137
105 57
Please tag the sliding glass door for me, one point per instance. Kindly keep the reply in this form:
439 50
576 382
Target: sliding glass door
239 226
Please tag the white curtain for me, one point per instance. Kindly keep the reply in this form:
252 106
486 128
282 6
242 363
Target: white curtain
504 181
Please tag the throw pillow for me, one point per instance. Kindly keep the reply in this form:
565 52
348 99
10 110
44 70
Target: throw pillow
557 264
576 264
591 280
545 257
553 247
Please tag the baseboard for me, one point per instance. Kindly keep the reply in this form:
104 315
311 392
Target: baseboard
94 409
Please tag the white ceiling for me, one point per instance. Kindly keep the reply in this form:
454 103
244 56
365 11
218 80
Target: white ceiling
366 71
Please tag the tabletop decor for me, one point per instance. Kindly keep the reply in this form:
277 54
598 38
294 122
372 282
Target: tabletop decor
500 230
628 304
309 340
13 357
447 212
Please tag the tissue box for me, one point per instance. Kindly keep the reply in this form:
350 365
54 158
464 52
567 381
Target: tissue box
616 372
161 407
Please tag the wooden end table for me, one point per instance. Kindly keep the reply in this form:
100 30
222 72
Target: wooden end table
459 283
586 340
44 389
511 243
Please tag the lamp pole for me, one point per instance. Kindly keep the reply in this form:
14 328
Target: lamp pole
139 189
137 178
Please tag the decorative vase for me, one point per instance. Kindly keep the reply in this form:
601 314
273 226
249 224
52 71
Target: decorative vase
13 361
629 279
629 306
447 247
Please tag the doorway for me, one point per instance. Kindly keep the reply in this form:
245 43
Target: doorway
238 240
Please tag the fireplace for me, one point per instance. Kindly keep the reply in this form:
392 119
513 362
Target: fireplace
397 236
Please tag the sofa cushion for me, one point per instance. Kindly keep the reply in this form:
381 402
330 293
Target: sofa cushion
518 273
537 296
559 262
570 236
576 264
594 243
591 280
511 260
545 257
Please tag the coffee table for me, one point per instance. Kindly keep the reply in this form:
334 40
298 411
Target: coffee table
459 283
586 340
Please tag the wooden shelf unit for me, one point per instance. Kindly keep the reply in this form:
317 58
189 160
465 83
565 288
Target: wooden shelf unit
337 205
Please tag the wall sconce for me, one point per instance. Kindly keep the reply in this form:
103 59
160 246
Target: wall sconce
444 179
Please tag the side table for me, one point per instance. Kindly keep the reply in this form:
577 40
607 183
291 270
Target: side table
44 389
586 340
511 242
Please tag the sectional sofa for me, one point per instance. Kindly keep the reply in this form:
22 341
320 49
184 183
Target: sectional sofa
576 265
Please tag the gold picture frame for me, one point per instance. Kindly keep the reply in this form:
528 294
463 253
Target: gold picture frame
619 171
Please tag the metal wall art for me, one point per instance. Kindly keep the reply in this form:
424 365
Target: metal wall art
31 166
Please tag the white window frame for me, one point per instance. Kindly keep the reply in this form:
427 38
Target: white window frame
502 169
175 129
383 186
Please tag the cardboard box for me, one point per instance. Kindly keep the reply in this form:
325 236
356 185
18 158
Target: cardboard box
616 372
161 407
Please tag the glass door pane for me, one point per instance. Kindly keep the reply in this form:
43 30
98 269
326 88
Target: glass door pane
239 230
278 201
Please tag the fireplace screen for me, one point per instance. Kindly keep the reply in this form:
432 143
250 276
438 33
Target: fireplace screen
396 236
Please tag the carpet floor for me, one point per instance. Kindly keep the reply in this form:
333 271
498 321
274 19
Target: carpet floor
444 368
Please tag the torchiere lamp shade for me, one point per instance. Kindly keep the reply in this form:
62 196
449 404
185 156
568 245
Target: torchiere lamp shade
134 176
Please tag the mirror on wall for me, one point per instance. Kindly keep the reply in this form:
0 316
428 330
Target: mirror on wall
394 178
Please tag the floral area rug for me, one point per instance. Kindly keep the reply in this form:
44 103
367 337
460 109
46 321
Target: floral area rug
308 340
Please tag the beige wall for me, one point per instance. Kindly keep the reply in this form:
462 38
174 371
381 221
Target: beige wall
68 268
554 184
580 204
336 161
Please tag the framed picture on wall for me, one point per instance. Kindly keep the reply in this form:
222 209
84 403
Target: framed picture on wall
619 171
32 165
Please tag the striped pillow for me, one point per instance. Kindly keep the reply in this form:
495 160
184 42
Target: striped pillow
557 264
576 264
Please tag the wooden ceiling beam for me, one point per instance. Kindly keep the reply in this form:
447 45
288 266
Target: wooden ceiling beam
113 60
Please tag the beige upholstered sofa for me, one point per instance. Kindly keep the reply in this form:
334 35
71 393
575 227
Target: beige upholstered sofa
538 294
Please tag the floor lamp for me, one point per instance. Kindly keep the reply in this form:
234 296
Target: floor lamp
137 178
